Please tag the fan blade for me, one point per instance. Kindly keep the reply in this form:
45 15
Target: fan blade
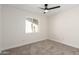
54 7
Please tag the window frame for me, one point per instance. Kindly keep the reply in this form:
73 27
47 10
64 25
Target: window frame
32 26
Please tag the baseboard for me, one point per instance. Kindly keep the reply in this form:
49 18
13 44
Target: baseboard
65 43
40 40
23 44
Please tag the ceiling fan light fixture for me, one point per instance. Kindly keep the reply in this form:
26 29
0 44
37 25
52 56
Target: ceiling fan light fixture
45 11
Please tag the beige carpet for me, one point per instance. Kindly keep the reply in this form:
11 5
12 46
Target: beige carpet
45 47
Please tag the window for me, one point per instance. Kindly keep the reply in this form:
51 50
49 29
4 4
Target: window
31 25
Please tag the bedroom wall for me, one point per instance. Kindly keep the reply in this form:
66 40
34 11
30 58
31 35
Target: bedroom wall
14 27
64 27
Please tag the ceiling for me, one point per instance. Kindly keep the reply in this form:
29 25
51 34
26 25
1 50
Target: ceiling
36 7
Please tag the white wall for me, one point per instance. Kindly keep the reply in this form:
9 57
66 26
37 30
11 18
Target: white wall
0 29
64 27
14 27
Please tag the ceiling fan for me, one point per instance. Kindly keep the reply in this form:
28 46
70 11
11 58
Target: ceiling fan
46 9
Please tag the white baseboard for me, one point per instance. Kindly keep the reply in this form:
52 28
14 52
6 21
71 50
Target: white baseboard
65 43
23 44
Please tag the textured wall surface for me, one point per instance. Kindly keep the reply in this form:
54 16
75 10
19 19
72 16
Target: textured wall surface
64 27
14 27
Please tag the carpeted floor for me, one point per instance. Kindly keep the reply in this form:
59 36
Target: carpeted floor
45 47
